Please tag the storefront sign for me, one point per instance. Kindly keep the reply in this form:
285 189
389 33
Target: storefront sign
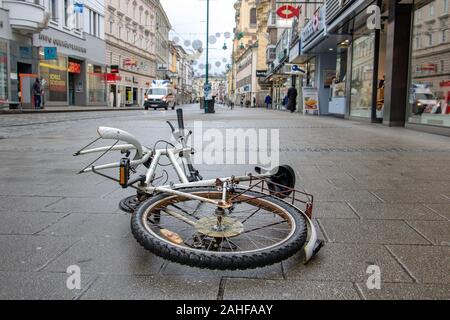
113 78
288 11
114 69
61 43
162 67
294 69
445 83
74 67
314 26
310 100
130 62
13 76
261 73
50 53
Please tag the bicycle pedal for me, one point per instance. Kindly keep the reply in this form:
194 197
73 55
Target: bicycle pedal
171 236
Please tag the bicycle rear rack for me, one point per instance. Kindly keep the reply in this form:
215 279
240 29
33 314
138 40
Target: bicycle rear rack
289 195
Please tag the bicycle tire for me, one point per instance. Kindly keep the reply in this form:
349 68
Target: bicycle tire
216 260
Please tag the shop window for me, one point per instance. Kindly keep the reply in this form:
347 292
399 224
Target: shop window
362 74
96 84
429 87
54 75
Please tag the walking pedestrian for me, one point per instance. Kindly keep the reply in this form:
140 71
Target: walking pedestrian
292 99
268 101
119 99
254 102
37 92
111 99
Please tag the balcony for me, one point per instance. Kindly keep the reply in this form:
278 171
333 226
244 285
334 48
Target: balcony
27 16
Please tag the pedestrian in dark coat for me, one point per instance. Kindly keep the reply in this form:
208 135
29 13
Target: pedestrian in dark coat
268 101
292 99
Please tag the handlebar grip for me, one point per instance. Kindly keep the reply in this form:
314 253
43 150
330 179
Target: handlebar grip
180 119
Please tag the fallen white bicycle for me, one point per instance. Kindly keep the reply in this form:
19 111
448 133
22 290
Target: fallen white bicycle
225 223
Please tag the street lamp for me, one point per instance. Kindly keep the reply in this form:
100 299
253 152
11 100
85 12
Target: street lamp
207 53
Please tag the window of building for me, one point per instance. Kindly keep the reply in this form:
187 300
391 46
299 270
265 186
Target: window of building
253 17
430 39
53 10
432 10
66 13
445 6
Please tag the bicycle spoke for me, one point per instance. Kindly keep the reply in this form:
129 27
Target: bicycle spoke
249 217
267 226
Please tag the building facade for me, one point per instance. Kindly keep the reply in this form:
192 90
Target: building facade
163 28
181 73
130 29
377 61
60 43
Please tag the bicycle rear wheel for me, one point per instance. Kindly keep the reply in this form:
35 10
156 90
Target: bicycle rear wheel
258 230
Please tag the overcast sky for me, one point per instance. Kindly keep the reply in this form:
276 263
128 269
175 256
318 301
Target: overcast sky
188 19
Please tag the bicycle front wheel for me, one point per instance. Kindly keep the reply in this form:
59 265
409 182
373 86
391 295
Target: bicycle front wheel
258 230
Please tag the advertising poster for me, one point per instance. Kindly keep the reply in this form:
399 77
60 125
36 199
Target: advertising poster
310 101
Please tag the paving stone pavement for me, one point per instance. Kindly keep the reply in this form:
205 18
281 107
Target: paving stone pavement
382 198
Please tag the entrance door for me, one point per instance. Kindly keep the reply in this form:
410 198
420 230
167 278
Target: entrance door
135 96
24 93
71 89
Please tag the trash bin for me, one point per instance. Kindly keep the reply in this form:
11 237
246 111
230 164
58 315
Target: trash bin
211 106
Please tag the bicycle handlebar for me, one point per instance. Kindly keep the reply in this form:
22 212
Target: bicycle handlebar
180 119
171 126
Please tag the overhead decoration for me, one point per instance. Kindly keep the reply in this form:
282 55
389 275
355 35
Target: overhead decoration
197 45
187 43
227 35
212 39
218 35
218 64
176 39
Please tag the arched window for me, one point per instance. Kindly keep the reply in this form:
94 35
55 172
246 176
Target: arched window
253 17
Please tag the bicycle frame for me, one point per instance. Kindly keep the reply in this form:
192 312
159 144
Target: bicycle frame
144 154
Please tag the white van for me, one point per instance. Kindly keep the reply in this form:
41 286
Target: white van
160 95
423 100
